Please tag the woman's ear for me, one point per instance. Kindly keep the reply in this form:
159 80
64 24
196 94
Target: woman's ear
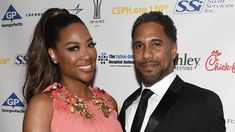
53 56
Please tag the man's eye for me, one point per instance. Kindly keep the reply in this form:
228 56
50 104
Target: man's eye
137 46
156 44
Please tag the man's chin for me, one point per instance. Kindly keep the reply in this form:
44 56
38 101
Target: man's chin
151 78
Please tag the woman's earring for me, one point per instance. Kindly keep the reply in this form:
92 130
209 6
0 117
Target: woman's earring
55 62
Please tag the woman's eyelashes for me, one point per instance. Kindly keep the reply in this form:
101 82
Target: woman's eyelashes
77 47
91 44
73 48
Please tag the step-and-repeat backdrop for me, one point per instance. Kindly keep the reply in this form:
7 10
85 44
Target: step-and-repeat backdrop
206 42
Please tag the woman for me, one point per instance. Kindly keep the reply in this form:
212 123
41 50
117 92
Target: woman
61 67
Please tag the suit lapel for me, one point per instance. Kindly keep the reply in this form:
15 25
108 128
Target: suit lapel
126 104
164 105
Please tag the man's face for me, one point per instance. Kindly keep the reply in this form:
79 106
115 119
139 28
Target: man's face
154 52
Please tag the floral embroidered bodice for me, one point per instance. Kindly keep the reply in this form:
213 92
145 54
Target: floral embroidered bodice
72 113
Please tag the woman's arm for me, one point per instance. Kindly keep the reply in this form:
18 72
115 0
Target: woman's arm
38 115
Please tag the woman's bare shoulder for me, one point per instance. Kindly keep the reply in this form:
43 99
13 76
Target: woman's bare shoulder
39 113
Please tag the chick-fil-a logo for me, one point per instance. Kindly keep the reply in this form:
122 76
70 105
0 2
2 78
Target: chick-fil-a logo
213 63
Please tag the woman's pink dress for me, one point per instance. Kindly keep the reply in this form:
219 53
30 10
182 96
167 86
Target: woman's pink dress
66 121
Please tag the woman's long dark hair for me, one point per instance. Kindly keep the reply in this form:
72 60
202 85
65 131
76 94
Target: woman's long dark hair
41 71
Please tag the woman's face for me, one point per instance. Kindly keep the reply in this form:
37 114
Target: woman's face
75 54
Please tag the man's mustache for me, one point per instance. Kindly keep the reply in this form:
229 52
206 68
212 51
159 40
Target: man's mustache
149 62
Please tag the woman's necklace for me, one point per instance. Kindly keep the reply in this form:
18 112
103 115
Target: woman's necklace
77 104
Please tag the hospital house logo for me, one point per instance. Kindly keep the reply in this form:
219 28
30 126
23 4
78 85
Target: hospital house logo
103 58
116 60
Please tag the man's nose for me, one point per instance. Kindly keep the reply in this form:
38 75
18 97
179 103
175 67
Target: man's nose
148 53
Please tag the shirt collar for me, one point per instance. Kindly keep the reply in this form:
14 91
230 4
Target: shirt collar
161 87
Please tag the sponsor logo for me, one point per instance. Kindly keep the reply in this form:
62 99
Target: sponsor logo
212 6
97 21
20 59
14 103
200 6
230 121
4 60
103 58
34 14
138 10
189 6
11 15
116 60
74 11
184 62
97 5
213 63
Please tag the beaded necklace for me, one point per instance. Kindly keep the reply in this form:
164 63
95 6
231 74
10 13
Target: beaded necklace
77 104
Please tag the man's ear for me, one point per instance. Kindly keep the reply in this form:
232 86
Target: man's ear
174 50
53 56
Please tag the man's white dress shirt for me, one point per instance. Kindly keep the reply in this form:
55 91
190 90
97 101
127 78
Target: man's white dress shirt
159 89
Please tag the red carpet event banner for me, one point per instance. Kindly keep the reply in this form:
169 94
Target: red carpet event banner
206 47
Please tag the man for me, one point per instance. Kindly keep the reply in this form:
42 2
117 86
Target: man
172 104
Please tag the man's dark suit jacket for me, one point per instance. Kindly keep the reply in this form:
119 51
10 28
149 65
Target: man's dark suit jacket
183 108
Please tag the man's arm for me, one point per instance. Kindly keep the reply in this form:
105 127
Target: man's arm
211 116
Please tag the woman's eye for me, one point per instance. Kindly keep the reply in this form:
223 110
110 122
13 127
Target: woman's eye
91 45
74 48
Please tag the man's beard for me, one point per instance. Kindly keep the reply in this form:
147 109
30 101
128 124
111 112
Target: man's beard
150 80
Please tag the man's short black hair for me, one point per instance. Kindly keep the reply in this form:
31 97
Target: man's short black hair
157 17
